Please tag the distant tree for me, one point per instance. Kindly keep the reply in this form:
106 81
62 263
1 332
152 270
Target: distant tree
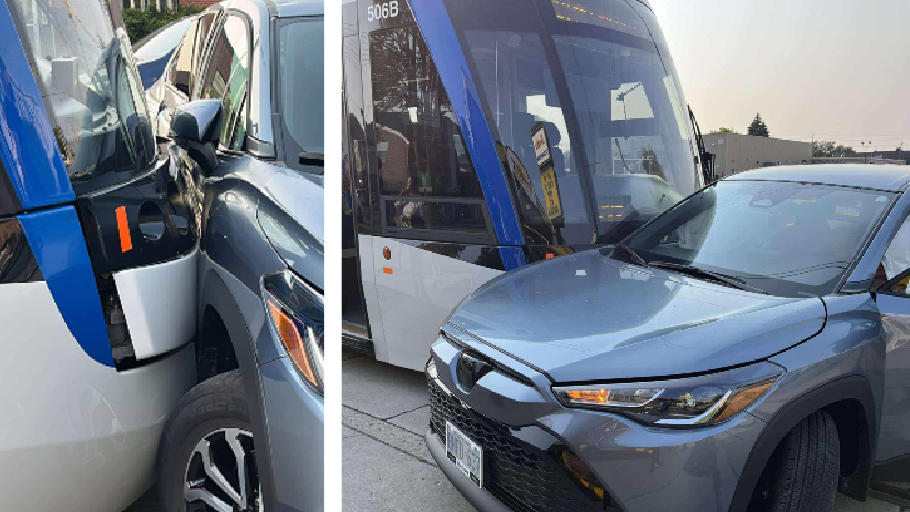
723 129
758 127
830 148
141 23
822 147
844 151
651 163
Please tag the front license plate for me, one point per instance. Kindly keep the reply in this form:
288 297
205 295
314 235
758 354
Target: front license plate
465 453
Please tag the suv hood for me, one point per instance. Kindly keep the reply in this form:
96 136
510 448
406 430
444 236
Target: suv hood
588 317
291 216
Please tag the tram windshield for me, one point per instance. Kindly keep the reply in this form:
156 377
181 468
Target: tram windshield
91 89
585 106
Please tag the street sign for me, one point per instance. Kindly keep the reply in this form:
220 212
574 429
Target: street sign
551 193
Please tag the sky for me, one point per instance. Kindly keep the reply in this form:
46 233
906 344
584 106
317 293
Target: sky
838 68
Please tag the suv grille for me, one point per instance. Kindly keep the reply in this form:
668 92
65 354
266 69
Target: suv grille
519 475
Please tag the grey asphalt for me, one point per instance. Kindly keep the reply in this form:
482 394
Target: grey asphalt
385 464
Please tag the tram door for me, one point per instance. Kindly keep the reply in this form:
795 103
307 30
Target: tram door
424 232
355 197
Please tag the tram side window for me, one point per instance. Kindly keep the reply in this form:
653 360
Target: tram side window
227 78
419 144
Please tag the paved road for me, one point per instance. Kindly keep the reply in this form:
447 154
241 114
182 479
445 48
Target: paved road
386 466
147 503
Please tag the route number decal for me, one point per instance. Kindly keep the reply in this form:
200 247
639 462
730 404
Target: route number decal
383 11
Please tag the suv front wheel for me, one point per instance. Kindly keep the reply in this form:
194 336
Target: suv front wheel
207 460
802 473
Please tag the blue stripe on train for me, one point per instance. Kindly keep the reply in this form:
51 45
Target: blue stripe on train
36 170
27 143
456 77
55 237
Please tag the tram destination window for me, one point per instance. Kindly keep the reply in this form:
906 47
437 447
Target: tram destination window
427 179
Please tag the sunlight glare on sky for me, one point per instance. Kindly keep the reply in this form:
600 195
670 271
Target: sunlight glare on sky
837 68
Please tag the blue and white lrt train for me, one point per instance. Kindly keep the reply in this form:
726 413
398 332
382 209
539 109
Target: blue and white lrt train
97 251
483 135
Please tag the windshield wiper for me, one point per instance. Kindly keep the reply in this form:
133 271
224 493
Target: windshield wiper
698 272
635 257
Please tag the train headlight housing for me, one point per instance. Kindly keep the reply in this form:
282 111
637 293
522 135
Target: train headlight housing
688 402
295 312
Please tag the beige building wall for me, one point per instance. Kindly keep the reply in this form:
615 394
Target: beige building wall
737 153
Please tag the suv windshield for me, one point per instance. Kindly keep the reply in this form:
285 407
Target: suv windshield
300 84
593 80
783 238
84 68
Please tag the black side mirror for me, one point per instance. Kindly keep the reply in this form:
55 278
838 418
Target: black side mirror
194 128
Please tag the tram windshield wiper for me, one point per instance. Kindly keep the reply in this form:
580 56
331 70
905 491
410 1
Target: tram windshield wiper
698 272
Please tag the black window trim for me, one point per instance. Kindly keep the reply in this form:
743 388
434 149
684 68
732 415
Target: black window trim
440 235
885 289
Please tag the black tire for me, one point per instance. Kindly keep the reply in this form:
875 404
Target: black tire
803 471
214 404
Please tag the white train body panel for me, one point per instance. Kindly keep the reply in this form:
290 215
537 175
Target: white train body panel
159 302
87 433
407 307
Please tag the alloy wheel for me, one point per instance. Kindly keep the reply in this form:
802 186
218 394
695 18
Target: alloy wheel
221 474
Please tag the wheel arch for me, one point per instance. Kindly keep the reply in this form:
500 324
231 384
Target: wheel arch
215 352
840 398
216 298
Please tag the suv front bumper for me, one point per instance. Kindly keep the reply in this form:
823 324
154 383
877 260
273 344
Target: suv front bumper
638 468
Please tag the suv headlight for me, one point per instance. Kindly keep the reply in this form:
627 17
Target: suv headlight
295 311
694 401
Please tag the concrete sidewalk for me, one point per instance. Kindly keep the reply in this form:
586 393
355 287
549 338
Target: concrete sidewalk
386 466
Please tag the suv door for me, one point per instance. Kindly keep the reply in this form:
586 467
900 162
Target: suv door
893 300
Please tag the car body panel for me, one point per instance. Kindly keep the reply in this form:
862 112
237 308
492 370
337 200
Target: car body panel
235 255
847 353
589 317
894 436
89 429
637 465
850 344
158 326
258 217
410 303
892 178
295 415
